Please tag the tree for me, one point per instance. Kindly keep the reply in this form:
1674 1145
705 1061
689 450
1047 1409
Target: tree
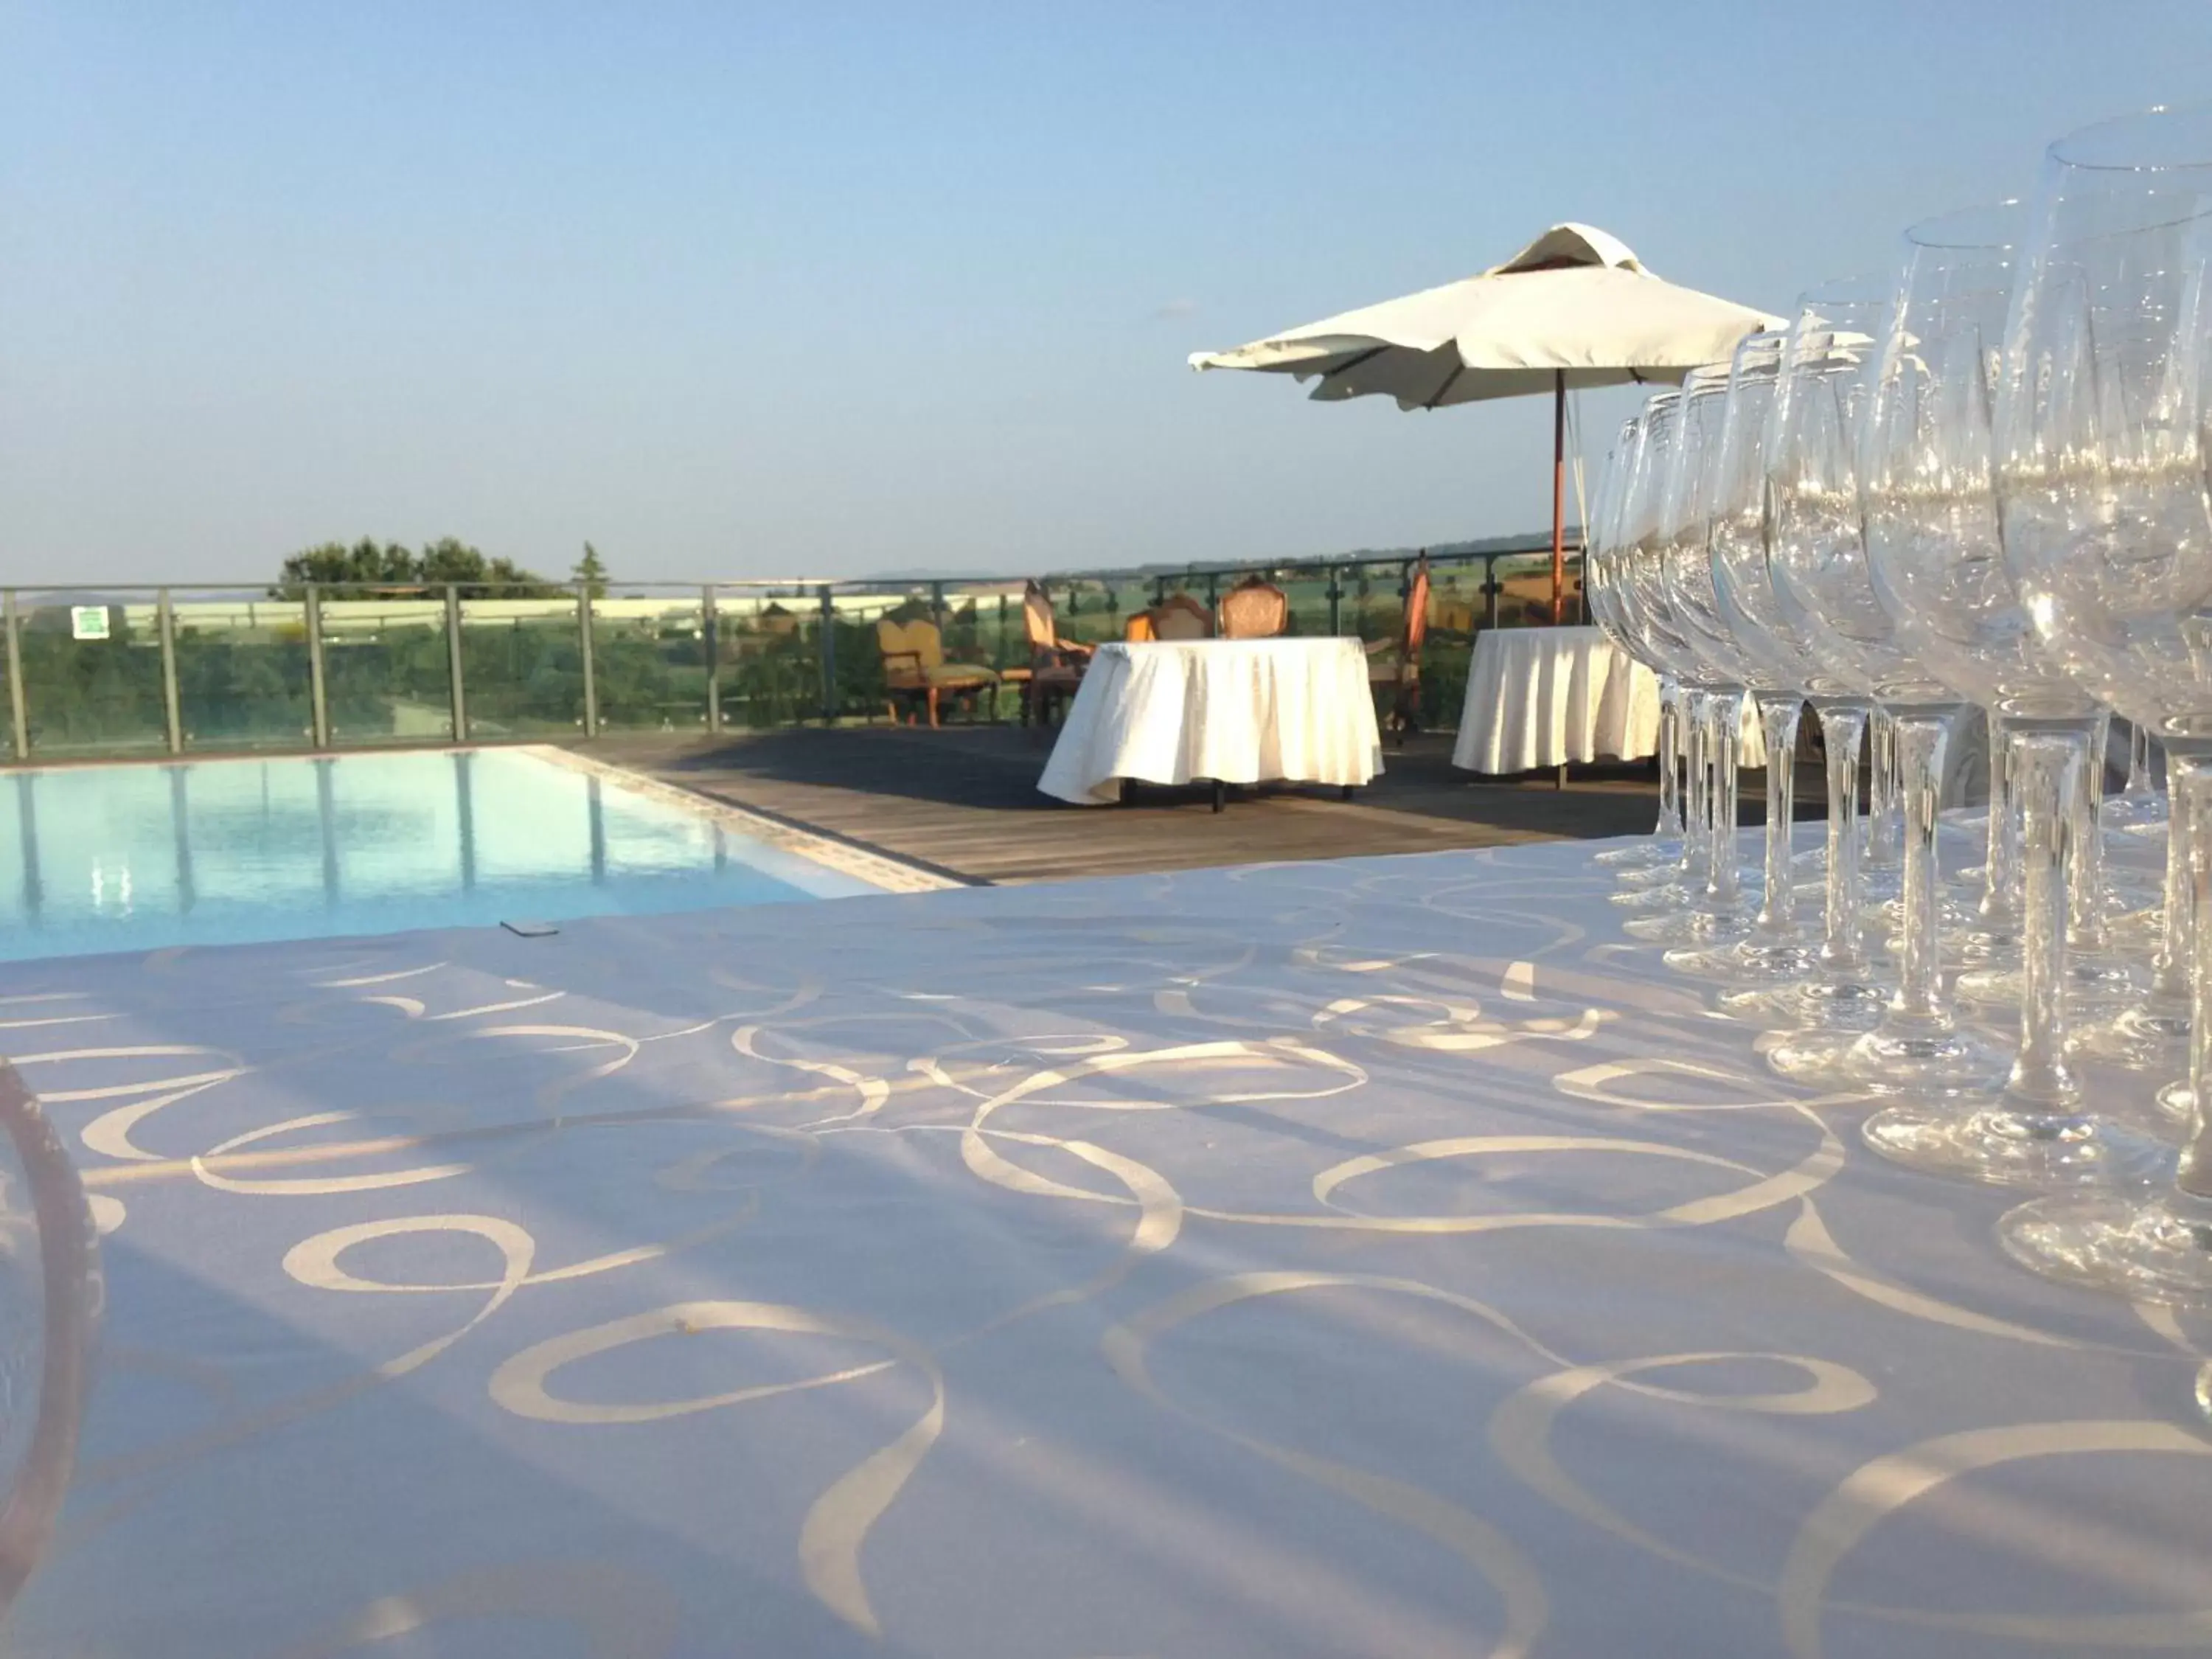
592 574
364 561
446 560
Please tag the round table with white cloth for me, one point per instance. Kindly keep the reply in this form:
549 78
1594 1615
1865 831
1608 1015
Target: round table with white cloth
1540 697
1225 711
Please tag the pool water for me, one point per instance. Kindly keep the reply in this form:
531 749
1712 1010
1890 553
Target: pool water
134 857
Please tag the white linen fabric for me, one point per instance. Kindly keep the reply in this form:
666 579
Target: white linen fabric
1575 307
1238 711
1377 1257
1545 696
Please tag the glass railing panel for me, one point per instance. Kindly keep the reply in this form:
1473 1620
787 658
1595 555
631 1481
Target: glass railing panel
242 672
92 673
387 669
649 660
522 666
768 664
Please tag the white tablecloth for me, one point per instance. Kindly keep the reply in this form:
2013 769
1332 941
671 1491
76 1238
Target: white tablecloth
1378 1258
1544 696
1238 711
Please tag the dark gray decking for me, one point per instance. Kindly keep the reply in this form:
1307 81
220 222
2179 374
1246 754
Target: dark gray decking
965 800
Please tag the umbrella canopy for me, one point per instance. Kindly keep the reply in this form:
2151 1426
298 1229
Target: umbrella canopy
1574 308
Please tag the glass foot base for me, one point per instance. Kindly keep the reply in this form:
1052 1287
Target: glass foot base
1984 946
1673 897
2139 930
1640 856
2152 1252
2139 1039
1664 874
1752 961
1814 1057
2175 1102
2012 1144
2092 985
1694 927
1935 1064
2136 814
1848 1007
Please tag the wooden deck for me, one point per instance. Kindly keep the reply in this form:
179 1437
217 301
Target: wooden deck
965 800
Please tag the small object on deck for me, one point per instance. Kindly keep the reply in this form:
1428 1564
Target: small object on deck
1129 792
530 929
1220 794
1345 792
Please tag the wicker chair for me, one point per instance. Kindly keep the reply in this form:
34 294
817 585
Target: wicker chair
1056 665
1178 617
914 669
1396 662
1254 609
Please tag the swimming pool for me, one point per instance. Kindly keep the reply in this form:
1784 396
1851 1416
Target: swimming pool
134 857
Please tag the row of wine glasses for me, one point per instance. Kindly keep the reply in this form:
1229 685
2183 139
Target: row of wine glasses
1975 491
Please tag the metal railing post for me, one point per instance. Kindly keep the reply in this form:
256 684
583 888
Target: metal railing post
165 624
319 707
710 636
1490 589
1335 599
825 646
584 639
458 692
22 715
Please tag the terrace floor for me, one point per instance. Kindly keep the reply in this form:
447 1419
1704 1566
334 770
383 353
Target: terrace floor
963 799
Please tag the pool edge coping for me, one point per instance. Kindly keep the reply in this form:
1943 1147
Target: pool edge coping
880 870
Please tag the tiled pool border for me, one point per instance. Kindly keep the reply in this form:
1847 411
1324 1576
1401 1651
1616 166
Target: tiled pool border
878 870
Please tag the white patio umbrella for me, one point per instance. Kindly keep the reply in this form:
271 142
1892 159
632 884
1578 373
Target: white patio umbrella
1574 308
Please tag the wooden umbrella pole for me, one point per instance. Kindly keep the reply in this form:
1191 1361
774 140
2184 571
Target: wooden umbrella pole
1558 495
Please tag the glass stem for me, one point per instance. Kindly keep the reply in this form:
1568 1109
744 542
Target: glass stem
1843 729
2139 782
1882 819
1778 714
2046 761
1697 824
2191 775
1670 742
1724 889
1921 739
2000 904
2085 919
2170 965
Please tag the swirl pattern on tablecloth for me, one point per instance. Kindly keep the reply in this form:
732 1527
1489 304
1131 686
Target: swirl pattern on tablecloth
1378 1256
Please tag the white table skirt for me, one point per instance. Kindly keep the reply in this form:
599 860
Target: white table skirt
1544 696
1236 711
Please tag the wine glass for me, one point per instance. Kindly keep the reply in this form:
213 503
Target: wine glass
1933 557
1818 565
1720 501
1661 849
1830 986
1713 912
2100 447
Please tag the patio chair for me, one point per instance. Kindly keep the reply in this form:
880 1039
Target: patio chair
914 669
1056 666
1396 662
1254 609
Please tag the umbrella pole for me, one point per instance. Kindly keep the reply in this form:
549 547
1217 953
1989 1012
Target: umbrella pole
1558 495
1559 515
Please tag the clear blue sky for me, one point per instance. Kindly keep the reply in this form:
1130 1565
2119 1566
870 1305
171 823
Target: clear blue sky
741 289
